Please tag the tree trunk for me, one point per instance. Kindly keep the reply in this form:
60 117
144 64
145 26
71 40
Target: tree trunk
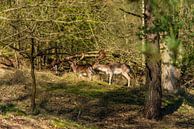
170 74
153 67
153 102
33 94
39 60
143 25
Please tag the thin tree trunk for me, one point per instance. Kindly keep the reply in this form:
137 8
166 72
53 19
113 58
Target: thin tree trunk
33 94
153 66
143 25
39 60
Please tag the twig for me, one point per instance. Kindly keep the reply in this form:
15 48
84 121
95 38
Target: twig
134 14
8 37
53 21
187 82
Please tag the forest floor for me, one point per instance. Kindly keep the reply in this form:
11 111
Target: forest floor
68 102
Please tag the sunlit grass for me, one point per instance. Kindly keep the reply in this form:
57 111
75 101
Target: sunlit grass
68 124
70 83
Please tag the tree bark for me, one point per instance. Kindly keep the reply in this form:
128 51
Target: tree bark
153 102
170 73
153 67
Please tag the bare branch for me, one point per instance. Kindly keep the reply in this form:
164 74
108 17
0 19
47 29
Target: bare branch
43 52
87 55
8 37
187 82
21 52
134 14
27 6
54 21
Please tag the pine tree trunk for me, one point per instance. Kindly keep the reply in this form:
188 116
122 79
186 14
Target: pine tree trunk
153 103
153 67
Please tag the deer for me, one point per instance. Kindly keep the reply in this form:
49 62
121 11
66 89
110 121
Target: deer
112 68
82 70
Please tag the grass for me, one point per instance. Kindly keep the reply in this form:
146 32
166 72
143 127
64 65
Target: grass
82 88
70 102
68 124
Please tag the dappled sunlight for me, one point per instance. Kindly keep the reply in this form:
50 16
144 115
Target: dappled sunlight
77 102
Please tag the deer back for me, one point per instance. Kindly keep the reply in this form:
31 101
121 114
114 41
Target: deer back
80 68
102 67
118 68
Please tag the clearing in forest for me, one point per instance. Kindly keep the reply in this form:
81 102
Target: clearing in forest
72 103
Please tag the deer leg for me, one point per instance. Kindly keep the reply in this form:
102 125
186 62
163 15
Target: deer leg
90 72
126 75
90 75
110 78
56 69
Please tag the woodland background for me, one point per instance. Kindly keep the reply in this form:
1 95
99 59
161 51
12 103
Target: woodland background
33 33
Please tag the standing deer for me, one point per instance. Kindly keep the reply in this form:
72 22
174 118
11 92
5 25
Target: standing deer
114 68
82 70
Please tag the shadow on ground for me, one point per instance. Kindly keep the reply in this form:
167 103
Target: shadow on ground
10 107
88 102
105 106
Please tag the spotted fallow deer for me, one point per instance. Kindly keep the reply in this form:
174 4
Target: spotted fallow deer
114 68
82 70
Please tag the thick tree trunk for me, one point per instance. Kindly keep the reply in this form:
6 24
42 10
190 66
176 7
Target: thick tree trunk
153 103
153 67
170 73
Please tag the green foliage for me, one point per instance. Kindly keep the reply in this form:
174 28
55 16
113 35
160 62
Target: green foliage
76 26
173 20
172 43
